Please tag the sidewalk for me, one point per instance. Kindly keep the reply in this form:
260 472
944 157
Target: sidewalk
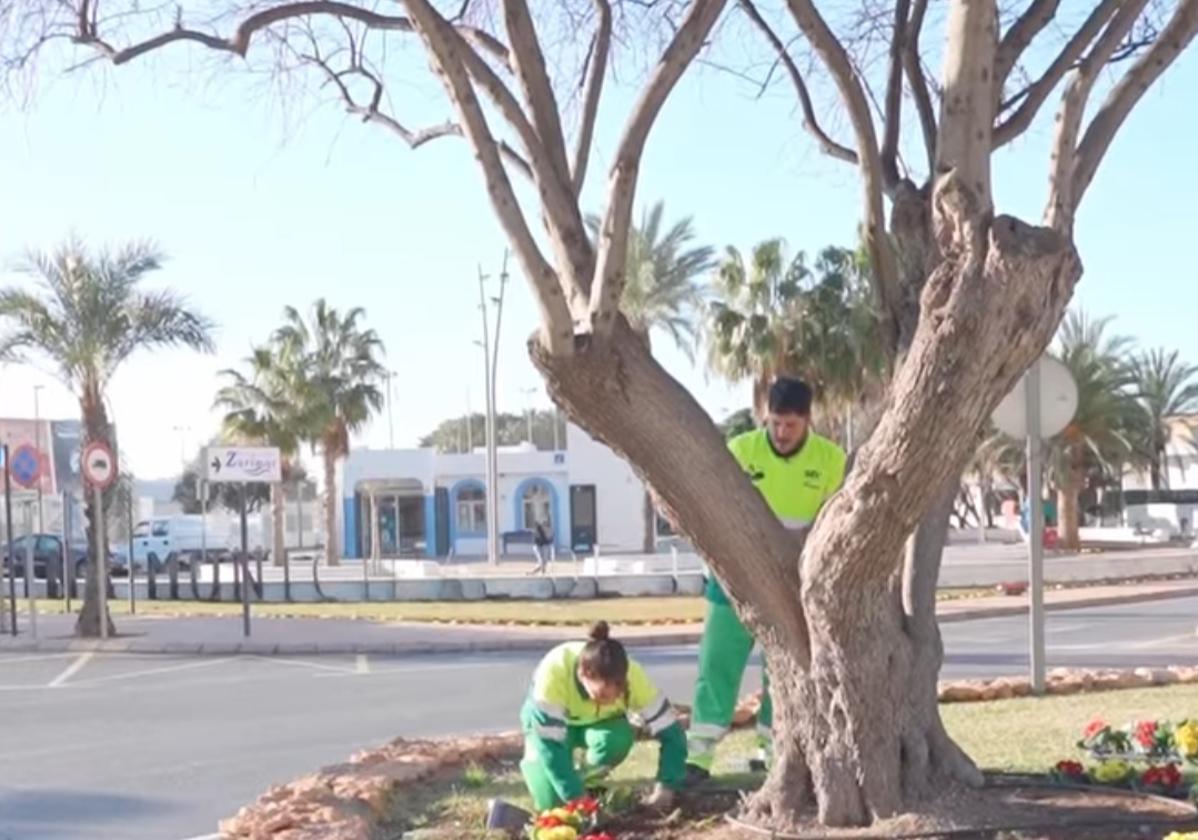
305 636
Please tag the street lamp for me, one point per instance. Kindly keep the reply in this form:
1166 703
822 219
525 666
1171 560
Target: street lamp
490 369
390 417
528 412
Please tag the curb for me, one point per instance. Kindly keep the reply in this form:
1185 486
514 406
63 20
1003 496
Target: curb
666 638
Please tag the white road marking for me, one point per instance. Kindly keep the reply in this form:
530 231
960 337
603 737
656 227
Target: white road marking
41 657
419 669
187 666
303 663
204 837
362 664
71 670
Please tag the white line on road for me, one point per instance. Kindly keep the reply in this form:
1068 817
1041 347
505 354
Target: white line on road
303 663
204 837
187 666
419 669
362 664
71 670
41 657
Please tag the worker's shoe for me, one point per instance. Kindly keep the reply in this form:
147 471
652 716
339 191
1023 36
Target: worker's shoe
695 776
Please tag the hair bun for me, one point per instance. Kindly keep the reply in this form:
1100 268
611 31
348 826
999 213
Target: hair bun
600 631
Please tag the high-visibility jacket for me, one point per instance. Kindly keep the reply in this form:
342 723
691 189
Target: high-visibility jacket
557 701
794 486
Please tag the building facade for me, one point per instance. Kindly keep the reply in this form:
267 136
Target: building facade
424 503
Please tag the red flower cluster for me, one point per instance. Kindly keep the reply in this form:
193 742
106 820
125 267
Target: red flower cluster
601 836
549 821
1146 733
1094 727
587 806
1166 776
1070 769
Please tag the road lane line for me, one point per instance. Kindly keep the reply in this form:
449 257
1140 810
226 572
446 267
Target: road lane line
170 669
362 664
41 657
71 670
303 663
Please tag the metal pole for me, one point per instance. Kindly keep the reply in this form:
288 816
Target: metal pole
1036 526
30 538
37 438
493 489
132 575
390 417
557 445
12 557
245 567
492 545
101 561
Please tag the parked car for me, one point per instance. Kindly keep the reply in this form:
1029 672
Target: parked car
185 537
47 555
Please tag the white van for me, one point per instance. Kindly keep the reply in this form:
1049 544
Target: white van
185 537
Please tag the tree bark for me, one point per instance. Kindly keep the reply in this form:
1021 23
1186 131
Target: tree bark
278 516
96 428
1068 502
332 556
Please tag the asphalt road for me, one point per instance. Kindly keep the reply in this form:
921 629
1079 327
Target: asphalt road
160 748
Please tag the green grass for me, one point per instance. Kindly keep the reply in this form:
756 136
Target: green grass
1025 735
556 613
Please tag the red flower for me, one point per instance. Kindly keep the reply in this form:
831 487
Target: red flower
601 836
549 821
1071 769
1146 734
587 805
1093 728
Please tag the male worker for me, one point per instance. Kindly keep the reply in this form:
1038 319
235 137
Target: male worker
795 470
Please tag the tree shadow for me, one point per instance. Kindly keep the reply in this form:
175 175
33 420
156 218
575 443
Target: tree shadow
49 813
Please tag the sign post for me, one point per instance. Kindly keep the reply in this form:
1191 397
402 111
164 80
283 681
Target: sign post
243 465
100 471
1042 405
12 559
30 539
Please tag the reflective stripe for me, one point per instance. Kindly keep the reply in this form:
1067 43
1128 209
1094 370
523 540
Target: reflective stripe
551 710
662 723
794 524
551 733
707 730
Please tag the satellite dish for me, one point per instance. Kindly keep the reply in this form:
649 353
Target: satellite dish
1058 402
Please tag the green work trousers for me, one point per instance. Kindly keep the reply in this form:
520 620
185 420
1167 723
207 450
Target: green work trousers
723 654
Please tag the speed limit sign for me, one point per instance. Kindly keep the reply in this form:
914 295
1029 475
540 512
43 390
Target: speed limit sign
99 465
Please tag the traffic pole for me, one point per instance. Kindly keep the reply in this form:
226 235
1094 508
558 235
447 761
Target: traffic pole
1036 537
12 559
101 560
245 565
30 539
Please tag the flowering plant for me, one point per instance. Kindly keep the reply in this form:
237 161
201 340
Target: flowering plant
1113 772
1185 738
1069 771
573 821
1100 738
1178 835
1164 777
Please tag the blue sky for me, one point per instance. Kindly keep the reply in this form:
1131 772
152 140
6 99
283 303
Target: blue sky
259 206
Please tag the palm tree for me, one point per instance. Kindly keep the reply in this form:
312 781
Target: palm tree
662 292
773 317
337 389
260 408
1108 421
661 287
87 315
1166 390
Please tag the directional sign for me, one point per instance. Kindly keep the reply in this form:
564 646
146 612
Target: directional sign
26 465
99 465
239 464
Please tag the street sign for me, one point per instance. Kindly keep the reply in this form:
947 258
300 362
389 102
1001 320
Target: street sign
99 465
240 464
1058 402
26 465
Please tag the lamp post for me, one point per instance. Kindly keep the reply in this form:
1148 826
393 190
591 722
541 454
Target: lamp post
37 442
490 345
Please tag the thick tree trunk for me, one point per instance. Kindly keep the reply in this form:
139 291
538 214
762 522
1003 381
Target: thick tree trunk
95 427
855 657
278 516
332 556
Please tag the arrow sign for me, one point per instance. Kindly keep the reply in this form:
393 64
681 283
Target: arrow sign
243 464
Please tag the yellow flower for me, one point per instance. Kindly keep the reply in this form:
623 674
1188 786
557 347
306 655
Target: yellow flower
1177 835
1186 737
1111 771
561 832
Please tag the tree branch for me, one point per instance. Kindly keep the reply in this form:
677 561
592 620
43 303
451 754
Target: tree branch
596 73
967 109
557 332
826 143
1035 96
1019 37
1062 198
608 289
885 263
913 66
530 68
893 118
1173 40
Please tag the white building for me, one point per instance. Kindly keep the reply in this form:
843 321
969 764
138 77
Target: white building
1174 507
420 502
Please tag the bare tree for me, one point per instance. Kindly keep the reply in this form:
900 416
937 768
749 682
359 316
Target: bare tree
969 297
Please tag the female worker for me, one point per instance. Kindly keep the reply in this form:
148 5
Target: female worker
581 697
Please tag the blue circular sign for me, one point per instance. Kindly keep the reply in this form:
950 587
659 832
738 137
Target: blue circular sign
26 465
